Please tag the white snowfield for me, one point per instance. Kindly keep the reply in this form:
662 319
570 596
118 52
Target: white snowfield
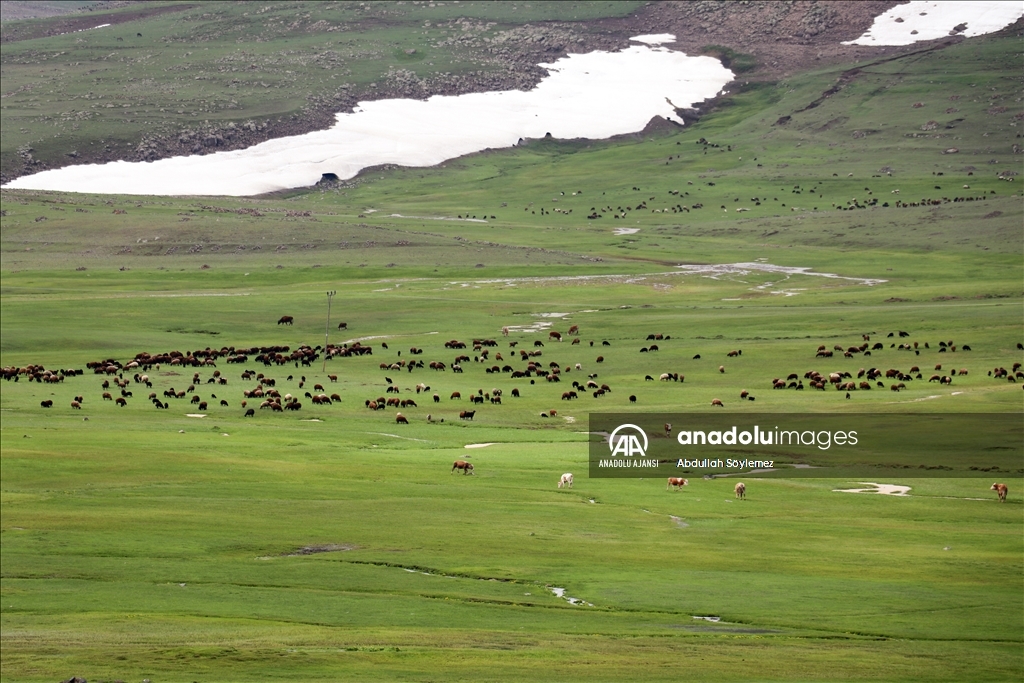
915 21
594 95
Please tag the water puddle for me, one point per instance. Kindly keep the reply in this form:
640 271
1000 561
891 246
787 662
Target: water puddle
560 593
715 271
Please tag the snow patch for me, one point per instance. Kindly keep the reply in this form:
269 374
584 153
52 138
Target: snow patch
884 489
655 38
915 21
594 95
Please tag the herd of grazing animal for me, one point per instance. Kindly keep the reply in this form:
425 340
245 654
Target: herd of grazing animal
841 379
118 376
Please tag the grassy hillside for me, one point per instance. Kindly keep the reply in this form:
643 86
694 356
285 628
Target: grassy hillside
335 543
178 78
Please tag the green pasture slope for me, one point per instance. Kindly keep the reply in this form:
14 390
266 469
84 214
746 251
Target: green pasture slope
335 544
161 69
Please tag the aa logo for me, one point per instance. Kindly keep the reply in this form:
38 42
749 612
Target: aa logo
628 443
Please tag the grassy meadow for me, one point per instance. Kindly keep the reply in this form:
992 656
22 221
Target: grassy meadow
332 543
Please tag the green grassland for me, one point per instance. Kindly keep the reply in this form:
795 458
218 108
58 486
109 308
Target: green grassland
335 544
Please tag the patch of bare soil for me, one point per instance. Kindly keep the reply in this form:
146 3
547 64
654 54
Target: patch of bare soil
785 37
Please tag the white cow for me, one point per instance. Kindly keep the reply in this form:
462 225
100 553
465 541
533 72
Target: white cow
565 481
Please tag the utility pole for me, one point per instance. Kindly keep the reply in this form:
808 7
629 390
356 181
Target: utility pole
327 329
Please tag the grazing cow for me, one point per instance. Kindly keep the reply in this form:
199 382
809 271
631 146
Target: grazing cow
504 331
250 412
467 414
574 330
741 490
466 467
721 368
77 405
46 404
632 398
455 395
515 393
120 401
1001 490
668 429
600 359
107 396
677 482
401 419
717 402
342 326
286 320
554 335
565 481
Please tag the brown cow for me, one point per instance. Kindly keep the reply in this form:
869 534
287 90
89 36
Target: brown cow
401 419
677 482
717 402
741 490
466 467
1001 490
574 330
286 320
